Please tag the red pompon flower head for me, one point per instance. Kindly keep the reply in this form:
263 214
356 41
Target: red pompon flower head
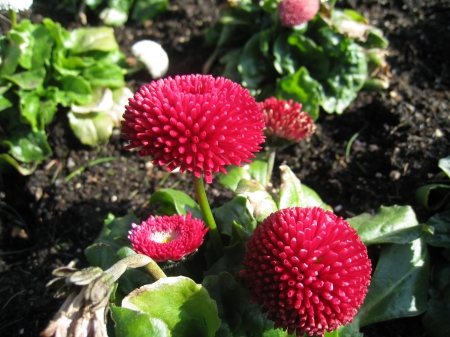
308 268
167 238
296 12
194 122
285 121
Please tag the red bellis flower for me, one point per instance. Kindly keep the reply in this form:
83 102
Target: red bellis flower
167 237
195 122
285 122
308 268
296 12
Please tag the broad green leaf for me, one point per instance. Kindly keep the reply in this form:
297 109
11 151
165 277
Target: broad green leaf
29 107
260 200
148 9
350 330
253 66
28 146
233 303
100 255
440 224
115 231
179 302
74 90
444 164
91 128
93 38
231 261
313 199
436 319
394 224
291 193
27 80
397 286
130 323
434 196
236 210
257 170
22 38
347 74
93 3
310 55
301 87
7 163
105 75
10 56
175 202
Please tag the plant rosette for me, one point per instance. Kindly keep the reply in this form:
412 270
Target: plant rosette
265 263
45 70
292 49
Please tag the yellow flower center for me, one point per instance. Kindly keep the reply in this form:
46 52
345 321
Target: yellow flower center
164 236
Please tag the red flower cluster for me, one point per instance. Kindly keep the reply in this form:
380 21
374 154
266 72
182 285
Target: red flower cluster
285 122
296 12
308 268
195 122
167 237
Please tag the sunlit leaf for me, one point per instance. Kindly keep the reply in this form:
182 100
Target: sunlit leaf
260 200
93 38
175 202
397 286
184 306
394 224
130 323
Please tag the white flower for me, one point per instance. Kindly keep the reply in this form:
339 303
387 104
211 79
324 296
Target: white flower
153 56
15 5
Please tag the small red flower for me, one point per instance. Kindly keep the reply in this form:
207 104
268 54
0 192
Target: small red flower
308 268
296 12
167 237
195 122
285 122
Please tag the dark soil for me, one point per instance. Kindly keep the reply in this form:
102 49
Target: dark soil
403 132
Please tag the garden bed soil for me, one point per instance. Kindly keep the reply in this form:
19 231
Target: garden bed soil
402 132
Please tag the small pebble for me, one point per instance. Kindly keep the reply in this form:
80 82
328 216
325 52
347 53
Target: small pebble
395 175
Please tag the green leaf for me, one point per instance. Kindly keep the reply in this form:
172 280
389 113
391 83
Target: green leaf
302 88
434 196
7 163
440 224
347 73
115 231
233 303
253 66
260 200
291 193
88 39
236 210
130 323
28 146
231 261
397 286
175 202
29 106
257 170
184 306
435 320
105 75
100 255
74 90
444 164
91 128
27 80
394 224
149 9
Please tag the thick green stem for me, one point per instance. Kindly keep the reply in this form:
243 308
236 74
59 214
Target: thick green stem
208 216
155 270
270 163
13 16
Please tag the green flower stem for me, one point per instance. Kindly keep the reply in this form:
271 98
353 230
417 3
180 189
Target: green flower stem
13 16
155 270
270 163
208 216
